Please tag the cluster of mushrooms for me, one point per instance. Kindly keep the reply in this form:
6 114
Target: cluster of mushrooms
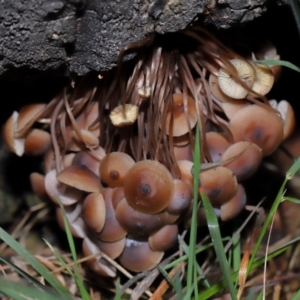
118 151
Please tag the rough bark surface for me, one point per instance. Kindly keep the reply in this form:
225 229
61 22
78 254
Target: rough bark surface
82 36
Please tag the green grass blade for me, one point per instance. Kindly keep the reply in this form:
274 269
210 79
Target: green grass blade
214 290
193 230
291 199
272 62
289 175
12 243
28 277
78 278
20 291
213 226
296 296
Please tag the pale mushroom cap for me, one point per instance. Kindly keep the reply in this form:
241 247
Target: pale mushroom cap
138 257
93 211
257 125
16 145
129 117
180 124
215 89
288 116
232 88
264 79
80 178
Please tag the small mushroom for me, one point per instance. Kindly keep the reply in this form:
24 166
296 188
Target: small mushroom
124 115
56 189
230 86
257 125
37 142
148 187
235 205
93 211
288 116
163 239
80 178
219 185
138 257
183 118
243 159
97 264
112 230
114 168
181 198
16 145
217 143
264 79
138 225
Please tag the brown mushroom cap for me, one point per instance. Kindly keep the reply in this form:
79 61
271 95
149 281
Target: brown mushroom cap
138 257
180 124
113 249
77 226
28 112
183 152
37 182
93 211
217 143
139 225
185 167
219 184
80 178
87 137
112 230
163 239
148 187
114 168
181 198
56 189
88 159
243 159
98 264
232 88
235 205
257 125
37 142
